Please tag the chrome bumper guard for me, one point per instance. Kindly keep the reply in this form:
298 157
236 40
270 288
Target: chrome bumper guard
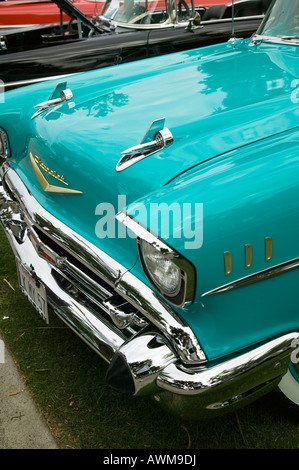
148 347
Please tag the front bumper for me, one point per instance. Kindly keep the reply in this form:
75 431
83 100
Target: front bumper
150 350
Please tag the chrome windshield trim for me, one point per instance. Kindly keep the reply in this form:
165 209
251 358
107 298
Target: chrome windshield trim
258 38
164 25
184 24
236 19
257 277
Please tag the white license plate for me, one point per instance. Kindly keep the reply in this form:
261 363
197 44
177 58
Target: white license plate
34 291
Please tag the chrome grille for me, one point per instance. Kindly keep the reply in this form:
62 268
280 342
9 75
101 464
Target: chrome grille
81 283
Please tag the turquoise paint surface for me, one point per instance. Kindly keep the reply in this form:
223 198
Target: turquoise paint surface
222 104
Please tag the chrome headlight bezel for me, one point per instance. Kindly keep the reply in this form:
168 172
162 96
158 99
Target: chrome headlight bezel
4 146
185 291
163 272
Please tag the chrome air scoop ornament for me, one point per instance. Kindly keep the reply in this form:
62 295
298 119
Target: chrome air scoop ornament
60 94
156 138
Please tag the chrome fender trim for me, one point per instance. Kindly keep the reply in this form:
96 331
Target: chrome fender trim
213 391
274 355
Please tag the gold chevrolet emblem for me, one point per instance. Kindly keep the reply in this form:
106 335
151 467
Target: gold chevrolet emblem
37 164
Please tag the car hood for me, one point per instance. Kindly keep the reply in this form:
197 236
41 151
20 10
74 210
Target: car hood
213 99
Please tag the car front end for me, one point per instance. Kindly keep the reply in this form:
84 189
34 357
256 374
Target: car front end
149 348
192 313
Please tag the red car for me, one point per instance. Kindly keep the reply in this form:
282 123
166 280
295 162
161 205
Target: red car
20 13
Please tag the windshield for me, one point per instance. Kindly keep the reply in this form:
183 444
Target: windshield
281 21
143 12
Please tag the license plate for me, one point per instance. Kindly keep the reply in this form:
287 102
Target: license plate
34 291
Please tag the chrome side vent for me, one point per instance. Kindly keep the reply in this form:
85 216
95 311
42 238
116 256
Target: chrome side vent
60 94
156 138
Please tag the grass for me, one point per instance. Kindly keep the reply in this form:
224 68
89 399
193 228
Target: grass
66 379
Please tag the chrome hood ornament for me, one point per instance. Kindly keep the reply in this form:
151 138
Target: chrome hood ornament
59 94
156 138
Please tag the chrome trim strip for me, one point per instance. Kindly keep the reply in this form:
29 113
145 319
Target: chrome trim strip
28 82
185 23
17 26
142 232
258 38
238 19
257 277
109 270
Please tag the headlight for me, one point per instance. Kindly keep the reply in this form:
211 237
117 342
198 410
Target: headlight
4 153
172 275
165 274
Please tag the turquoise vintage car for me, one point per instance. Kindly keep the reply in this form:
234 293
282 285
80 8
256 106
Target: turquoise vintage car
155 208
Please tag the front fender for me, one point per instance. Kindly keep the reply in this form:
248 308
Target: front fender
249 200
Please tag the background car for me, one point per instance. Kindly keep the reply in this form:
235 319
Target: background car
25 13
122 35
